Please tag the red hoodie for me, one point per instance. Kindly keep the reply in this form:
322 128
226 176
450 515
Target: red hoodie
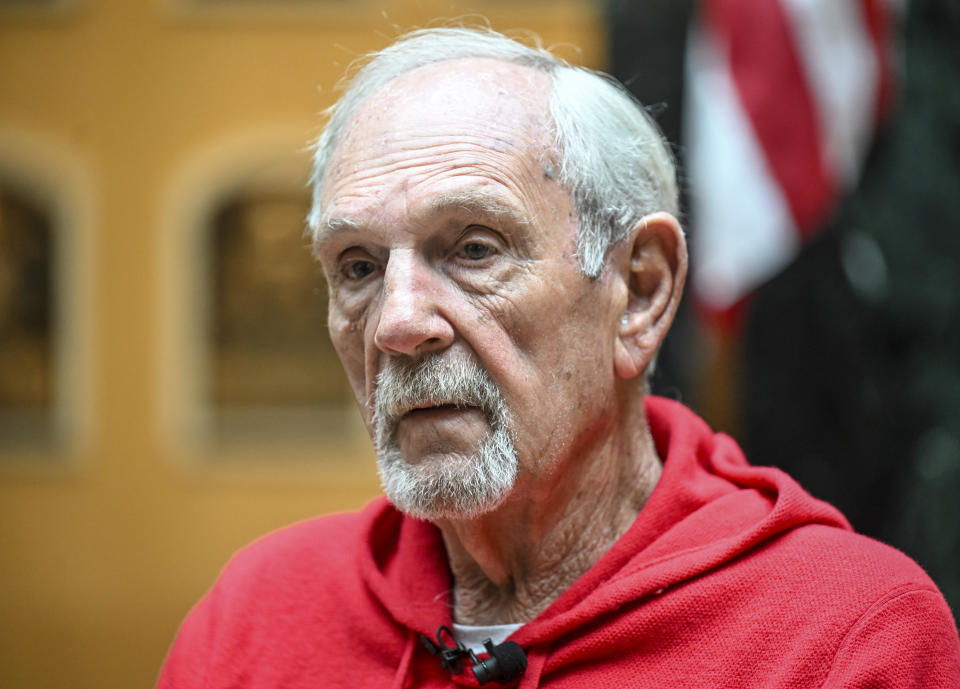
731 576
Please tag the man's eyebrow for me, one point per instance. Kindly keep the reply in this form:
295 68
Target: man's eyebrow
331 225
469 200
481 202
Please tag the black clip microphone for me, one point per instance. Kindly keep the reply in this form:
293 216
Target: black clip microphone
451 657
507 661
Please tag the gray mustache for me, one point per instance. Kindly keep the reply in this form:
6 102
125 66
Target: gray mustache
404 384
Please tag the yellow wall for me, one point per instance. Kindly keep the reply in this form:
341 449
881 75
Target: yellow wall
127 113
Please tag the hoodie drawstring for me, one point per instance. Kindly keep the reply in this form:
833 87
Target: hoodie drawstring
403 669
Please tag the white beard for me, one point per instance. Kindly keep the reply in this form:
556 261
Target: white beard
454 486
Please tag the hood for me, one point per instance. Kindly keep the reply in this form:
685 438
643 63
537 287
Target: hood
708 508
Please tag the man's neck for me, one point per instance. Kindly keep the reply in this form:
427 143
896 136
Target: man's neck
510 565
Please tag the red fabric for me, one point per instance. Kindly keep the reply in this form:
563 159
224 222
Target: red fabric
774 92
879 24
731 576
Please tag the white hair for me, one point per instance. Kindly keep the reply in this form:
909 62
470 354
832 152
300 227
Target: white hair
615 163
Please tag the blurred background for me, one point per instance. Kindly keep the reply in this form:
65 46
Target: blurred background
167 389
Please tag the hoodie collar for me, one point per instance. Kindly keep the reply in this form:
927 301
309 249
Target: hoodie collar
708 507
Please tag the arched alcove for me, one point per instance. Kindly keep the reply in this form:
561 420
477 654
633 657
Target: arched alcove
26 316
45 312
249 358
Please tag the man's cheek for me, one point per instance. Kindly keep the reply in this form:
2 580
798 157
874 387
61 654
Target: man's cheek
349 347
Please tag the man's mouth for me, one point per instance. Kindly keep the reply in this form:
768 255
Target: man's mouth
429 409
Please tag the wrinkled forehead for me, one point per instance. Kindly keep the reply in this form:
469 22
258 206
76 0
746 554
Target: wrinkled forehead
505 102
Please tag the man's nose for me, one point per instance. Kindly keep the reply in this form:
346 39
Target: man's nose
410 321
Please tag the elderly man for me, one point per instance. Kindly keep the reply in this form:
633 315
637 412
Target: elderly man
498 231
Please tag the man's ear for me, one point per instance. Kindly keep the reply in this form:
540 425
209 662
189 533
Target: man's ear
654 269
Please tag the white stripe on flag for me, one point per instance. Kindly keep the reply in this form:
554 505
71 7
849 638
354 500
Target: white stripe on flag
744 231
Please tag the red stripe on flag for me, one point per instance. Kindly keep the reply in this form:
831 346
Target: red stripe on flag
774 93
879 23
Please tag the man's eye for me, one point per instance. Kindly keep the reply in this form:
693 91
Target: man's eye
476 251
357 270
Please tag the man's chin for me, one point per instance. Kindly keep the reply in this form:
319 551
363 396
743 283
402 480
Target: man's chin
441 511
449 485
438 459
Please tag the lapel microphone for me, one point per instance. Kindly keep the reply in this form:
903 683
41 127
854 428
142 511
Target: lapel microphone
507 661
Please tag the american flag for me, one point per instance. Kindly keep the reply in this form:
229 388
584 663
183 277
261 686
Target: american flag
783 98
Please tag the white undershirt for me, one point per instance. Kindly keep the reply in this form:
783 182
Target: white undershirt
473 636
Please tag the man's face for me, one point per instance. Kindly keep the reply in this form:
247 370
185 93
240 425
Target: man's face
456 302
